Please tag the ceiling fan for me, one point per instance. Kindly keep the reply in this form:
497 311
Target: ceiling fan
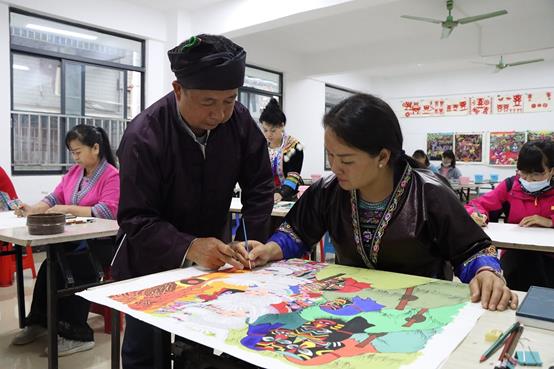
501 65
450 23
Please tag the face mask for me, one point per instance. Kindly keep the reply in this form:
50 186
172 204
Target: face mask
446 165
534 186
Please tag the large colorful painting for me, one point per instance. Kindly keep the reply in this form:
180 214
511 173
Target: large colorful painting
533 136
504 147
437 143
298 314
469 147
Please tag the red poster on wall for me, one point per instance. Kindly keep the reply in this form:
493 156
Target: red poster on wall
410 108
508 103
538 101
456 106
480 105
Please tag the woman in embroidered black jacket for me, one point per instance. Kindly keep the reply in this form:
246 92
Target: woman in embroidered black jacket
383 213
285 152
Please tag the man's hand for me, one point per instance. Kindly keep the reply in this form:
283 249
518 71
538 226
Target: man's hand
491 290
212 253
536 220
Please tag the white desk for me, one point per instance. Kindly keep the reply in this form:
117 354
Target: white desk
9 220
279 210
19 236
512 236
466 356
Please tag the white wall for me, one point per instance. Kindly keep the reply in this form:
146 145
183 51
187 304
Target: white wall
469 82
110 15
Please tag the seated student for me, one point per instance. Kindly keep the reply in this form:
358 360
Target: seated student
421 157
448 166
383 213
8 196
528 200
90 188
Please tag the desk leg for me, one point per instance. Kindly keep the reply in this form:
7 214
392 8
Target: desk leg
467 195
115 338
52 308
20 286
162 349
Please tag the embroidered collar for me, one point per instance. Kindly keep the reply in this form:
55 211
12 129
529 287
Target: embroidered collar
371 259
77 194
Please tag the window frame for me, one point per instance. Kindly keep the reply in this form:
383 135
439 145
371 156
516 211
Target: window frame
64 59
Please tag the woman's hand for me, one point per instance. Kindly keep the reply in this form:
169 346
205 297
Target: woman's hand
536 220
277 197
64 209
492 291
480 219
258 253
23 210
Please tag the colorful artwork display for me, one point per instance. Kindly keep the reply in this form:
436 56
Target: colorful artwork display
504 147
437 143
533 136
298 314
468 147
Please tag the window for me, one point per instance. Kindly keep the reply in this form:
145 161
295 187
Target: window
333 96
260 85
63 75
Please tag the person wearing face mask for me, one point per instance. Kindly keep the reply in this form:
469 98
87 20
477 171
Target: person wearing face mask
448 166
285 152
526 199
382 211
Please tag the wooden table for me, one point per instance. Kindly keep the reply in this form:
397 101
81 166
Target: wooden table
20 238
512 236
466 356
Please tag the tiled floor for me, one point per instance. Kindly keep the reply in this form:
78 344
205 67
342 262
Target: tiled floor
32 356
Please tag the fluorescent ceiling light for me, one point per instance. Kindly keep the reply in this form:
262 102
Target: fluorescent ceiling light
20 67
60 31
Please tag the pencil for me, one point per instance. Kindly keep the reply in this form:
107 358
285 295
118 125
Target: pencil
246 242
500 362
491 350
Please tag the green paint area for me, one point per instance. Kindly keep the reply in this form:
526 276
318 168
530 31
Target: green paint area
377 278
386 320
429 295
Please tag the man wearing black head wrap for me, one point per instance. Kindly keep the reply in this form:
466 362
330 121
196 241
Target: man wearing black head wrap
179 162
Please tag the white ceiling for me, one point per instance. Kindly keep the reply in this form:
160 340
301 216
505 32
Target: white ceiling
375 41
166 5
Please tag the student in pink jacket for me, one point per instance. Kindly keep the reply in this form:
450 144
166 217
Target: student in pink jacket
89 189
526 199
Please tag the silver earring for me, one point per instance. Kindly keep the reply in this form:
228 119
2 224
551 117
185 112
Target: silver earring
380 165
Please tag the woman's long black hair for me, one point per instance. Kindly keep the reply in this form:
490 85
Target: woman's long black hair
367 123
90 135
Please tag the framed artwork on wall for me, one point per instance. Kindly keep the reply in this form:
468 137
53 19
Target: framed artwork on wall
468 147
504 147
540 136
437 143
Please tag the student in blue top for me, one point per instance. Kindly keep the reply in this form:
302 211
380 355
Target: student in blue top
421 157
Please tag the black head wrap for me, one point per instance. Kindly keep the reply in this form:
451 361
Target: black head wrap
208 62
